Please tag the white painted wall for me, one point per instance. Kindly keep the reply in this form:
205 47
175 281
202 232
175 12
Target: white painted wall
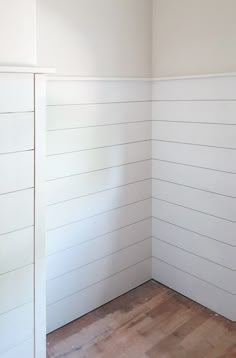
98 193
95 38
193 37
18 32
194 189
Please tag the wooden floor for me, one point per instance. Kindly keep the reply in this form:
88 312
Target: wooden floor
150 321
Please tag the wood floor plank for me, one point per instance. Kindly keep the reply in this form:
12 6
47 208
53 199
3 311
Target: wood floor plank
150 321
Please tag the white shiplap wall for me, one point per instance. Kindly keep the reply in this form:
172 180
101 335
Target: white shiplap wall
16 215
98 193
194 189
99 190
22 210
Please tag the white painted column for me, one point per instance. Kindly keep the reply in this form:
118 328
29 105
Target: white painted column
22 230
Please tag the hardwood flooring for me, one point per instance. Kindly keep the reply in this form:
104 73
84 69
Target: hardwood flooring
151 321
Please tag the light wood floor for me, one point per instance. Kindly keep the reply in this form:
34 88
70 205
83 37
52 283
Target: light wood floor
150 321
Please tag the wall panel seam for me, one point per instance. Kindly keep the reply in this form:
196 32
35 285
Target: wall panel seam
99 125
192 166
97 103
106 146
195 122
193 144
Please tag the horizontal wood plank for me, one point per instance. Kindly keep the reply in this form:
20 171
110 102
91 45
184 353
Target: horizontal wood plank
222 112
81 92
101 224
194 288
93 250
16 210
16 92
212 88
216 135
205 270
94 296
81 208
89 138
202 246
97 271
16 288
213 227
16 327
61 117
209 203
95 159
24 349
16 250
205 157
79 185
18 169
16 132
200 178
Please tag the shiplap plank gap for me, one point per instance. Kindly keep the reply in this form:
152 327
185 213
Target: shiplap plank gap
194 166
97 103
18 112
193 144
18 151
106 146
16 191
195 122
16 269
13 231
98 125
195 100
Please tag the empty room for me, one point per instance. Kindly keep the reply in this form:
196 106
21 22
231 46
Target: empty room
117 179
